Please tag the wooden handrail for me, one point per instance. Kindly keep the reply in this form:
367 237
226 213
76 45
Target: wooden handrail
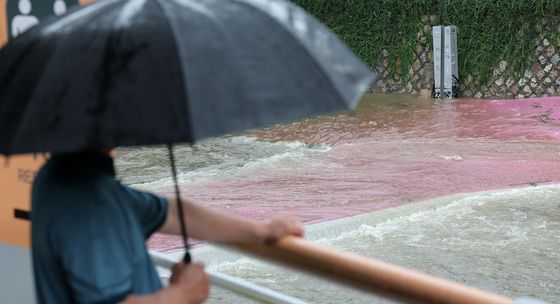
370 275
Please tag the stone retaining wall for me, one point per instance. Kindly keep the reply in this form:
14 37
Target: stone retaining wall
541 79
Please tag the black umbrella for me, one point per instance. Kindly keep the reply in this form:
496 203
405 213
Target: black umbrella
138 72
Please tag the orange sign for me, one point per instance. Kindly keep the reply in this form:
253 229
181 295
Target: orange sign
3 22
16 172
16 177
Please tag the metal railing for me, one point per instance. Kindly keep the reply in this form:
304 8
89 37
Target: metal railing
236 285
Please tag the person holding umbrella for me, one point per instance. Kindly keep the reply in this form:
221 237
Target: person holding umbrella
144 72
89 233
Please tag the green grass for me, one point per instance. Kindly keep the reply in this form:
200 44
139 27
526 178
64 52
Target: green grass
488 30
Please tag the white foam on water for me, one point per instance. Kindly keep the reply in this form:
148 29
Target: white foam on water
506 241
451 157
462 214
231 157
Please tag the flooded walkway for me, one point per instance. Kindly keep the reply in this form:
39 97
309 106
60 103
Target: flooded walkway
505 241
341 173
395 150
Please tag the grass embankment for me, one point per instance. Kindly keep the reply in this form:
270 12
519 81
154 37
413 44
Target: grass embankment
488 30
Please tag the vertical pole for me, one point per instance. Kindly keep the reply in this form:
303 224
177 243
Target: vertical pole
438 43
455 62
442 61
451 76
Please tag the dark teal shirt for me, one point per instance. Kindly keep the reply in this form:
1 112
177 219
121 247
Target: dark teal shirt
89 231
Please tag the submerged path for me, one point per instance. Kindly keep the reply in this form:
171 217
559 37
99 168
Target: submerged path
395 150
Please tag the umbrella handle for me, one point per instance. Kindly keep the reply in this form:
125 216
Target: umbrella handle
187 258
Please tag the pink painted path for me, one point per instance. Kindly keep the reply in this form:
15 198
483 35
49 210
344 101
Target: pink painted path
395 150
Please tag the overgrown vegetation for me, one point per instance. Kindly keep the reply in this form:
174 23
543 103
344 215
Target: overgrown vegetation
488 30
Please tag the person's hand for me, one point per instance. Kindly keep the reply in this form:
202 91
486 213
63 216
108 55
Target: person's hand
280 226
189 284
192 280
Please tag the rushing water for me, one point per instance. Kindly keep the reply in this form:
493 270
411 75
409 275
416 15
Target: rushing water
506 241
394 151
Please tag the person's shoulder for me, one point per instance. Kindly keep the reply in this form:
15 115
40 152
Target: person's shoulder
136 193
42 174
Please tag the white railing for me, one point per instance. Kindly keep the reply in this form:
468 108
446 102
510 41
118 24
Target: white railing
236 285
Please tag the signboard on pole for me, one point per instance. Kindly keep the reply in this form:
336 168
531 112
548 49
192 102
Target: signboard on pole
451 76
437 34
446 68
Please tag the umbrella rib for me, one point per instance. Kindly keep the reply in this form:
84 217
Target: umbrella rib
190 130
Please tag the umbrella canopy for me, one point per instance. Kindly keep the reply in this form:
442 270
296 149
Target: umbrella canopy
137 72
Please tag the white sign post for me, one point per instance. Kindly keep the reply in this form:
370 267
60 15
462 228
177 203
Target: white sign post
437 33
446 69
451 74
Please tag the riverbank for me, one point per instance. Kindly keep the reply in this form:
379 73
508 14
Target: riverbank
328 231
